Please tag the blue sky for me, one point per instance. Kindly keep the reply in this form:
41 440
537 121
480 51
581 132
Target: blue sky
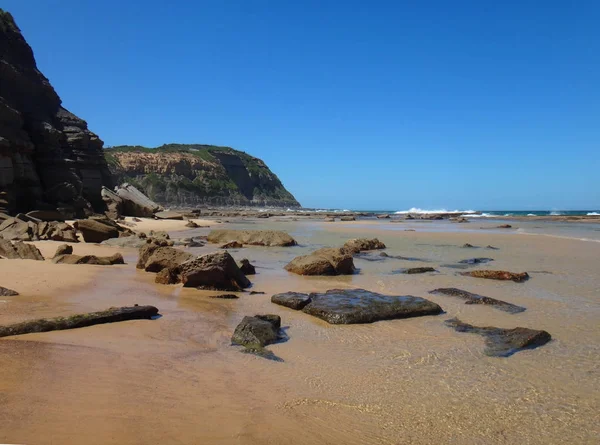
354 104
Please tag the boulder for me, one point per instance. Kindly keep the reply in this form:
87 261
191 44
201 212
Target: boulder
351 306
19 250
166 258
96 231
117 258
216 270
114 203
260 330
326 261
63 249
5 292
231 245
293 300
252 237
135 203
517 277
478 299
247 268
17 230
357 245
169 214
501 342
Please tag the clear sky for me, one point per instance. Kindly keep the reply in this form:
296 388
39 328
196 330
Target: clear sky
479 104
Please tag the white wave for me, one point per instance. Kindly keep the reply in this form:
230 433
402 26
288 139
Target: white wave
483 215
531 214
556 213
508 214
431 212
593 214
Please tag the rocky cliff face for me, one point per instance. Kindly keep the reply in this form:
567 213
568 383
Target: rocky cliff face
48 157
192 175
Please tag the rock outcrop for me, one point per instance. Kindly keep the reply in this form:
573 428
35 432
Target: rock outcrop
48 157
268 238
18 230
192 175
326 261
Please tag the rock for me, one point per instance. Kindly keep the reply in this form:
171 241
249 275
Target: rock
383 216
166 258
216 270
247 268
134 219
468 246
127 241
168 214
4 292
501 342
252 237
354 246
63 249
326 261
167 276
350 306
19 250
111 315
253 292
504 226
476 261
225 296
462 220
478 299
491 247
260 330
48 157
191 224
117 258
293 300
347 218
114 203
17 230
47 215
329 219
416 270
135 203
96 231
231 245
498 275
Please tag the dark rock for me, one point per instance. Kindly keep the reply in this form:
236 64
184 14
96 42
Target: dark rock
231 245
252 237
416 270
216 270
519 277
504 226
191 224
476 261
117 258
19 250
225 296
253 292
501 342
293 300
468 246
167 276
247 268
4 292
135 203
357 245
326 261
491 247
478 299
111 315
47 215
349 306
403 258
260 330
63 249
96 231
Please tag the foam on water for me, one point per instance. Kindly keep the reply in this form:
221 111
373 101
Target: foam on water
431 212
593 214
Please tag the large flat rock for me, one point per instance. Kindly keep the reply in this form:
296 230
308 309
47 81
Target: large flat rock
267 238
471 298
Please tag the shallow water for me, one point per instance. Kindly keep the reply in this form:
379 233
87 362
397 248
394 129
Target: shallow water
411 381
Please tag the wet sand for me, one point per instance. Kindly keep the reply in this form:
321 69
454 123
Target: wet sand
413 381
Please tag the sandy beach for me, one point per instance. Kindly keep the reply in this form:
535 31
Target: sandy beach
177 379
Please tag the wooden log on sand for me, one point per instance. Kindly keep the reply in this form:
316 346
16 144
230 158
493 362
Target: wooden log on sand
80 320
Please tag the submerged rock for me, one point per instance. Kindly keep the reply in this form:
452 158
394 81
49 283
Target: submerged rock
476 261
254 333
216 270
5 292
293 300
416 270
518 277
268 238
468 246
225 296
478 299
501 342
19 250
504 226
326 261
247 268
357 245
351 306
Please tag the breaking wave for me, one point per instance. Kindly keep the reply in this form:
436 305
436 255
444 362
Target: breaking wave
431 212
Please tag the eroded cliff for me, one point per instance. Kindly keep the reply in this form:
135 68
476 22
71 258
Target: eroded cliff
191 175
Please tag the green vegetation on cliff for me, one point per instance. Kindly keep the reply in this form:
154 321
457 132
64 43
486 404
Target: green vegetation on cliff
194 174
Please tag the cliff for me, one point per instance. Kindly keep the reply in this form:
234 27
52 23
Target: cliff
192 175
48 157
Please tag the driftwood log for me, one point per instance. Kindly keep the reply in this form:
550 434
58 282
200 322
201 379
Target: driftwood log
80 320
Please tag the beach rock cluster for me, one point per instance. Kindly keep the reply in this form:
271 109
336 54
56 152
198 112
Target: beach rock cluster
19 250
25 228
